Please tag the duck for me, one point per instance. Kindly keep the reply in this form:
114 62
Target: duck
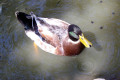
53 35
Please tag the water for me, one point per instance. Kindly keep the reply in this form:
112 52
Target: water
99 21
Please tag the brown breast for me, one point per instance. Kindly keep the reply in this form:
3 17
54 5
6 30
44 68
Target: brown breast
71 49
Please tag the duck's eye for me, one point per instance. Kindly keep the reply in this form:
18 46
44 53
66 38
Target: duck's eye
82 38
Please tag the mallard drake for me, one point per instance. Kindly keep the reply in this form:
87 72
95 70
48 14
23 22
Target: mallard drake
53 35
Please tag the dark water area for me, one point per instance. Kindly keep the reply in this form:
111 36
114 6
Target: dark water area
99 21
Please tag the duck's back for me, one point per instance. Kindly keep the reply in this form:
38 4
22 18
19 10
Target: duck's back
53 31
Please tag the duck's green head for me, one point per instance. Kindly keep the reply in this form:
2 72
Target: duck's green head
76 34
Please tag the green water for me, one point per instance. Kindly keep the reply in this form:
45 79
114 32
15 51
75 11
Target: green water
99 21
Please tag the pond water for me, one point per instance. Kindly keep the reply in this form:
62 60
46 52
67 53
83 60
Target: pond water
99 21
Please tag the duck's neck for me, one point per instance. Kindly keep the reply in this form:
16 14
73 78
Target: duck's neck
72 48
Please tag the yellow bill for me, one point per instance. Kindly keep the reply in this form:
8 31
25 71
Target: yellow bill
84 41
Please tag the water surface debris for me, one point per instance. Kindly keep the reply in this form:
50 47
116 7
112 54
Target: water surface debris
113 13
92 22
101 27
101 1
